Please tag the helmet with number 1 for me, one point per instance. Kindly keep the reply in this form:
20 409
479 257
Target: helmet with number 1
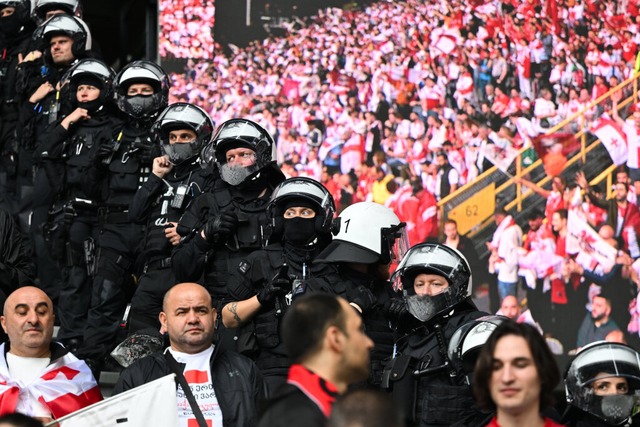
182 116
604 381
240 133
438 259
368 233
141 106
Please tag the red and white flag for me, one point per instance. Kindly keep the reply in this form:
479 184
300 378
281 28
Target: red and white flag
65 386
613 139
443 42
290 90
500 157
152 404
591 249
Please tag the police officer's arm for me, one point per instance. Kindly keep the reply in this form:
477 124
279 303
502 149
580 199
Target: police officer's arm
50 142
237 313
16 268
242 288
143 201
190 256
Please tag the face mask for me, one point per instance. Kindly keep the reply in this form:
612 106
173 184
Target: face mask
179 153
299 231
615 409
235 175
140 105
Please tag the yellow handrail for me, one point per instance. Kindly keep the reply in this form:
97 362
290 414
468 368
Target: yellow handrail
466 191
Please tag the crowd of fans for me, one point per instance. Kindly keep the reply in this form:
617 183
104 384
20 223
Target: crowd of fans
399 104
185 28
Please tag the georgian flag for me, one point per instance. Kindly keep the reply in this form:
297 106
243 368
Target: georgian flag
591 249
151 404
65 386
443 42
500 157
613 139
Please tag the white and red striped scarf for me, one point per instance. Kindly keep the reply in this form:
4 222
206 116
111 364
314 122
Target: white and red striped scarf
64 386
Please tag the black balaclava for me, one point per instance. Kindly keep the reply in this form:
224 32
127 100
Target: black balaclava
95 105
299 231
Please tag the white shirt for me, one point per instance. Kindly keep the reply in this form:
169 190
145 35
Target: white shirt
197 372
25 370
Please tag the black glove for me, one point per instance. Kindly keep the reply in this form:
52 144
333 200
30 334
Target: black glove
147 151
277 287
103 152
394 309
220 226
362 297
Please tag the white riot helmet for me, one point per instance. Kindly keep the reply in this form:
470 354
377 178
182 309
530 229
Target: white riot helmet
467 340
433 258
596 363
240 133
299 191
182 116
69 26
368 233
42 7
141 106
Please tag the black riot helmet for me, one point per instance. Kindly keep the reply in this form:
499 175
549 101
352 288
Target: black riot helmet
42 7
433 258
600 362
12 24
240 133
64 25
178 116
302 192
467 340
141 106
93 72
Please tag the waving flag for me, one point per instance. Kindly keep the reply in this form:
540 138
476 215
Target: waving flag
584 241
500 157
613 139
65 386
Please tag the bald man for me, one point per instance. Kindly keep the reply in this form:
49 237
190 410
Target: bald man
31 364
225 385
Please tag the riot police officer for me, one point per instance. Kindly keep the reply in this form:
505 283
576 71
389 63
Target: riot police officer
45 9
602 386
63 40
70 148
227 223
301 212
436 283
369 237
141 91
176 179
16 28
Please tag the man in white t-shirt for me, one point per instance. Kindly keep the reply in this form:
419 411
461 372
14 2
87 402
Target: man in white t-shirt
37 377
225 385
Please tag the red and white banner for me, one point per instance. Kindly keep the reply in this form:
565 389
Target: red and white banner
290 90
592 251
500 157
613 139
152 404
65 386
443 41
